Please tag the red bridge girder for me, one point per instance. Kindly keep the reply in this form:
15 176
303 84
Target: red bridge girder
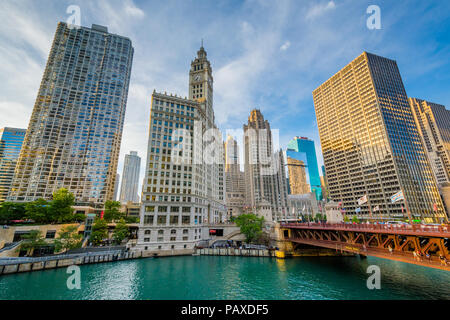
394 242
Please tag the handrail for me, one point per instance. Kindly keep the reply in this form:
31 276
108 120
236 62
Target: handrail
375 227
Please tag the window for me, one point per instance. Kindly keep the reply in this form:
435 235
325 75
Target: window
186 220
162 220
148 219
146 240
186 231
173 238
173 220
147 231
173 231
50 234
160 232
186 209
150 209
162 209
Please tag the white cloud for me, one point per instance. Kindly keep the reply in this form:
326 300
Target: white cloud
285 46
319 9
132 10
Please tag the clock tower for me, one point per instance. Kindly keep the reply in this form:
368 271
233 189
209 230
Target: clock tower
201 83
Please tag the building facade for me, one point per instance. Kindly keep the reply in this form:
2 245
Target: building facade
371 145
116 187
433 123
11 140
297 176
305 205
265 175
74 135
184 186
235 181
304 149
130 178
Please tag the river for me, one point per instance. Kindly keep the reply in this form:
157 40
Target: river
214 277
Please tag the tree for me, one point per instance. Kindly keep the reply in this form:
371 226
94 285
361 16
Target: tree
99 231
250 225
60 208
38 211
355 219
32 241
318 217
131 219
112 212
68 238
120 232
11 211
346 219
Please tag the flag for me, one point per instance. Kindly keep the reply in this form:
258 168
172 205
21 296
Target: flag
101 215
435 207
397 197
402 208
340 204
358 210
304 207
362 200
377 208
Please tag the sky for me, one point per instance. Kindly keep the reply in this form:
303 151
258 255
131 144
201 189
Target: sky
265 54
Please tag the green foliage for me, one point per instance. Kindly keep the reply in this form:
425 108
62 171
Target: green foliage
131 219
38 211
11 211
32 241
60 209
346 219
120 232
355 219
112 212
68 238
99 231
250 225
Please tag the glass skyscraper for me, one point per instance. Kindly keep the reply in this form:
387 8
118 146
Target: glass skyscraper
130 178
11 140
74 135
371 145
303 149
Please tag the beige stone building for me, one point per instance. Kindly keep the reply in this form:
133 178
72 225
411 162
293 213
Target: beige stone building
297 176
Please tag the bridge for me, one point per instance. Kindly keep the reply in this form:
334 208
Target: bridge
423 245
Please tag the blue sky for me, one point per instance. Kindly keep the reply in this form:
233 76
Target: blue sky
269 54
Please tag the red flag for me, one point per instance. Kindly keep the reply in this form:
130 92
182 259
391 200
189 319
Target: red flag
402 208
434 207
101 215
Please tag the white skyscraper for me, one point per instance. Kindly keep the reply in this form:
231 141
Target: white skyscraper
265 176
130 178
184 179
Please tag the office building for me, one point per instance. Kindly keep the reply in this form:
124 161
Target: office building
371 145
11 140
433 124
303 149
74 135
184 186
235 181
297 176
130 178
265 175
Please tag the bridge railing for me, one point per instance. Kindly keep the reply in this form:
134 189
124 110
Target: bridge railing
374 227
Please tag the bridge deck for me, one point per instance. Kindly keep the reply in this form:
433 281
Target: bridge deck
413 230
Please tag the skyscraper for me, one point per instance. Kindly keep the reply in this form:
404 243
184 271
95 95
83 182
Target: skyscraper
116 187
433 123
371 145
265 177
184 187
303 149
74 135
11 140
235 187
130 178
297 176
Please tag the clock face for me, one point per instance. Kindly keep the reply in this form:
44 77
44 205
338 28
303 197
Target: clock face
197 77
